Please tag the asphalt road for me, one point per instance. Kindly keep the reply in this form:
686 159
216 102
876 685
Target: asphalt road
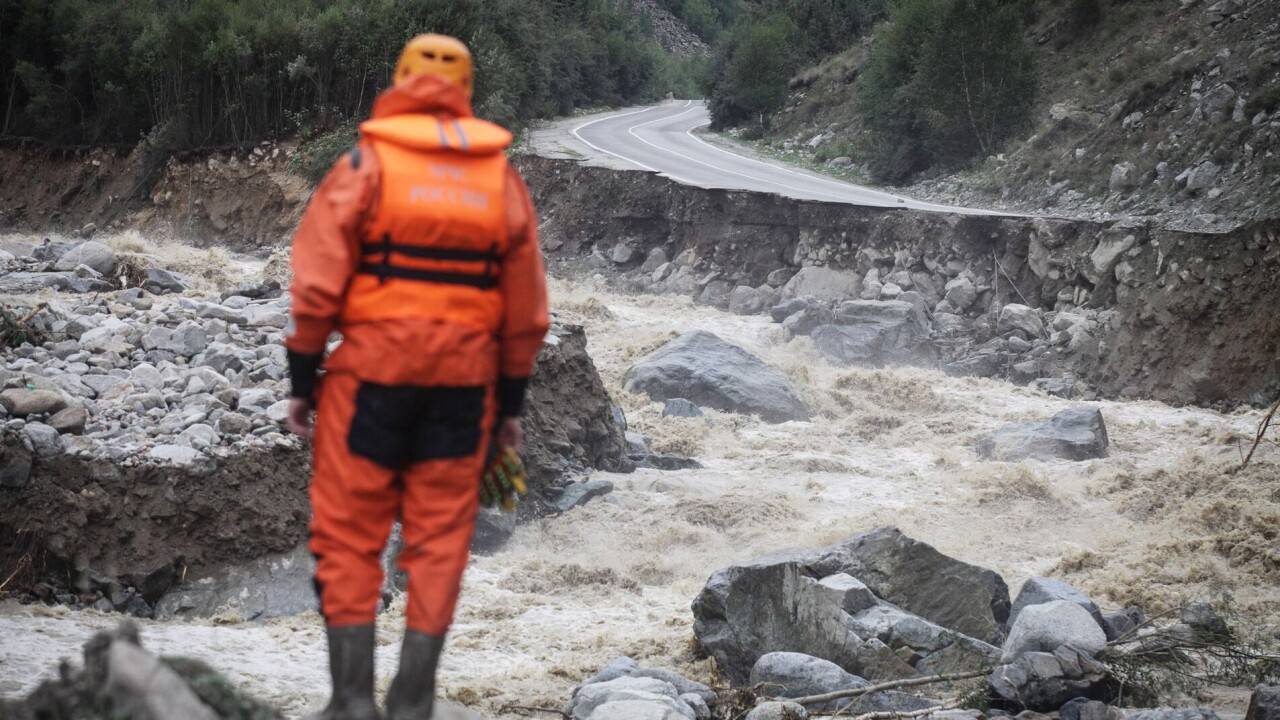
662 139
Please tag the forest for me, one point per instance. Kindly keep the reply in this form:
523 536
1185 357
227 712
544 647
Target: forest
211 73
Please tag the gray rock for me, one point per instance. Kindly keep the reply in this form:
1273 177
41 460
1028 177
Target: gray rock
876 333
1045 681
580 493
1077 433
1264 703
1172 714
161 282
1122 623
278 411
1049 626
95 255
1085 709
493 529
1202 176
45 440
71 420
1124 176
961 293
680 407
776 605
1204 619
807 319
637 709
21 402
1039 590
710 372
623 254
22 283
146 377
794 675
786 309
178 455
778 711
618 667
701 710
646 691
823 283
745 300
654 260
199 436
1021 318
15 460
141 686
272 586
233 424
683 685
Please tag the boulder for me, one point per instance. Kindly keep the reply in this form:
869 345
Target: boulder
21 402
1264 704
95 255
272 586
45 441
876 333
1077 433
1045 681
1202 176
746 300
1124 176
580 493
1020 318
710 372
160 282
795 675
1122 623
142 686
637 692
1049 626
960 292
71 420
823 283
1039 590
1205 621
796 602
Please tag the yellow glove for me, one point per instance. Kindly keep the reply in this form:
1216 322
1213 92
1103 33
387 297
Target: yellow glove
504 481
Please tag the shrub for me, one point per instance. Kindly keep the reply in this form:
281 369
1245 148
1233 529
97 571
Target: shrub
947 80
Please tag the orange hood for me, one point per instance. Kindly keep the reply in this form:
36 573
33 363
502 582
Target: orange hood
429 113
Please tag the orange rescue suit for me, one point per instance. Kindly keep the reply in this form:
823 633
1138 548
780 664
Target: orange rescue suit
420 248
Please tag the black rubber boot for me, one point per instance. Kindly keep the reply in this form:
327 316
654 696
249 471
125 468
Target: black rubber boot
351 667
413 693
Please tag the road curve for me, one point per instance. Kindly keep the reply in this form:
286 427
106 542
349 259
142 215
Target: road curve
662 139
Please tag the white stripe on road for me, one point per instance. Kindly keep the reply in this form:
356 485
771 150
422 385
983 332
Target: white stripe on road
576 132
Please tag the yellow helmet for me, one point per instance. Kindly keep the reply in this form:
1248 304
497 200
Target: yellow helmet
439 55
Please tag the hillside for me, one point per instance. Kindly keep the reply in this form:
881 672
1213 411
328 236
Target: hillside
1159 107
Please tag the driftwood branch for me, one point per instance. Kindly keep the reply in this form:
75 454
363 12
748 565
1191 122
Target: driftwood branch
889 685
1262 433
898 715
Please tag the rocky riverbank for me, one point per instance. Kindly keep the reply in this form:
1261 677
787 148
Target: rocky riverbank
142 442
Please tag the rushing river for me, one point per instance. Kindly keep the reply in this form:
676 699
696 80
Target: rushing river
1160 520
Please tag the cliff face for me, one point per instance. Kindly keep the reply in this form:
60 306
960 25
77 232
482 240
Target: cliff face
1182 314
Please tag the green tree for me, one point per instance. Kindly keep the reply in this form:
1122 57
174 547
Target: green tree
947 80
753 68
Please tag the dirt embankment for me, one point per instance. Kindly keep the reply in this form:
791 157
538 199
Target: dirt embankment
1189 318
242 201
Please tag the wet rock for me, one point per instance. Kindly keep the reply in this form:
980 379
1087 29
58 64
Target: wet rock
778 711
876 333
776 604
807 319
580 493
273 586
1045 681
746 300
618 667
493 529
701 710
1172 714
823 283
710 372
628 697
795 675
95 255
679 407
1077 433
1204 619
1085 709
21 402
160 282
1048 626
1264 704
1122 623
1039 590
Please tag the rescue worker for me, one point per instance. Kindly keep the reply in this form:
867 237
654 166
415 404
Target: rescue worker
420 248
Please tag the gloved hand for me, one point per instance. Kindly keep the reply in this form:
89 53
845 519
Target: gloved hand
504 481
